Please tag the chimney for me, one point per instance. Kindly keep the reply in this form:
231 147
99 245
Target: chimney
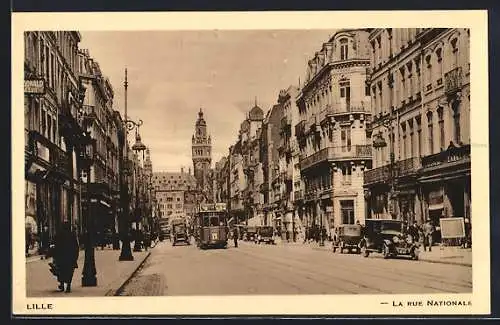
189 170
182 170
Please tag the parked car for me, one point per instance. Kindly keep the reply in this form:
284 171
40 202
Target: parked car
264 234
347 237
386 236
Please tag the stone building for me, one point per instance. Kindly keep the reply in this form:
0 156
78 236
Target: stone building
420 90
202 155
271 187
289 168
246 170
170 191
53 129
104 173
221 176
334 107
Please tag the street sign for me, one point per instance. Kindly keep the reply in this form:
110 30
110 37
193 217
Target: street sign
34 86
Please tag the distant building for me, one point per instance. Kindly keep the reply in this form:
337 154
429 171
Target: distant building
202 155
170 191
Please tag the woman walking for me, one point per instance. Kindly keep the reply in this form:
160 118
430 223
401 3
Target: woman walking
66 255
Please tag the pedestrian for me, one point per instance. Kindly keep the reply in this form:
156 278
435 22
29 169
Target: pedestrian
44 242
413 230
428 235
27 231
235 236
66 255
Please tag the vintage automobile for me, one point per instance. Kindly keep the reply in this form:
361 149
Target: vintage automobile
347 237
386 236
179 232
250 233
264 234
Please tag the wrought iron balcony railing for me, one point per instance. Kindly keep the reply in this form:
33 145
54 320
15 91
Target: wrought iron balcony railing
451 155
336 153
453 80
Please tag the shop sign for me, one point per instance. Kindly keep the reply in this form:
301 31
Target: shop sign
452 227
34 86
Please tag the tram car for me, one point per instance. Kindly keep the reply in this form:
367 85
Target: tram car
210 225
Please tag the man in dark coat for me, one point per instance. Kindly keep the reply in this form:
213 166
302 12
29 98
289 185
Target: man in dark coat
235 236
66 255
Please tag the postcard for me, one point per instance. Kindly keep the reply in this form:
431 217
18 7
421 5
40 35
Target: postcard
250 163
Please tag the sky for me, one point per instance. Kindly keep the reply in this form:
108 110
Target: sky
172 74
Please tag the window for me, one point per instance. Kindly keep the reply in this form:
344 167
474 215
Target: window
441 128
430 133
419 136
345 137
347 211
345 93
439 67
456 122
347 174
344 49
403 141
428 73
454 50
411 138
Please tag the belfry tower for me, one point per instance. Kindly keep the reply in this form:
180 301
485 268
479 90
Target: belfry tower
201 153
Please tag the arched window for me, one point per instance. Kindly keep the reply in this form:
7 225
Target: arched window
439 66
454 53
344 49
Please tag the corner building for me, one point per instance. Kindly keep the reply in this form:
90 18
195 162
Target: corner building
334 110
420 90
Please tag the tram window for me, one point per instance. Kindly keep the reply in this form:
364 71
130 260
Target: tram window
214 221
206 221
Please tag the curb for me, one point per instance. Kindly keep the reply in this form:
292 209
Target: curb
118 291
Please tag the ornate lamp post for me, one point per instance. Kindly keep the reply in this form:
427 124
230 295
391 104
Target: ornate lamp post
89 278
129 125
138 147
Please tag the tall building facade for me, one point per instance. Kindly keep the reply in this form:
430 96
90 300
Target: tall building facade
334 112
104 175
420 90
202 154
53 129
271 187
289 168
245 170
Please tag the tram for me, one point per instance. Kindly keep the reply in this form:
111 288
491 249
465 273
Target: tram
210 226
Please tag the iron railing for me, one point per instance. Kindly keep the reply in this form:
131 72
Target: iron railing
335 153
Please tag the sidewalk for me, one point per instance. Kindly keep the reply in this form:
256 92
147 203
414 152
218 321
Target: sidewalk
439 254
111 275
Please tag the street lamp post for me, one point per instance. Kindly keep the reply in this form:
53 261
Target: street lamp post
138 147
89 278
129 125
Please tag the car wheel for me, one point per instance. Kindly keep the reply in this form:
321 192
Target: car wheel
386 251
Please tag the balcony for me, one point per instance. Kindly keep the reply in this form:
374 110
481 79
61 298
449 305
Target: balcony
408 166
377 175
337 153
453 80
452 155
300 128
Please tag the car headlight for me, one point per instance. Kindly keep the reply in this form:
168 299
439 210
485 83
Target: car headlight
395 239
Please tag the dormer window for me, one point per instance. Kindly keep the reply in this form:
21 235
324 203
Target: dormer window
344 49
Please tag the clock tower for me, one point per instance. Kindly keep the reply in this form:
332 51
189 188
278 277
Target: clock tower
201 153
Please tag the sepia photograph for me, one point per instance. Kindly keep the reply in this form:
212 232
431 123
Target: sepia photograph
238 168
